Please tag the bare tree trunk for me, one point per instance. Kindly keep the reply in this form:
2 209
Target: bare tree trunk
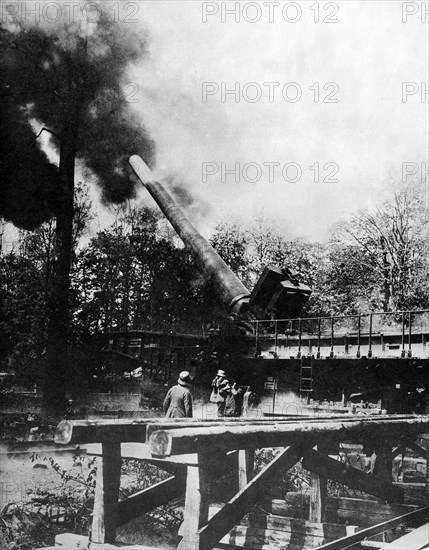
386 277
58 304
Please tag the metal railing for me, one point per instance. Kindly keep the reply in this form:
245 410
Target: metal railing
400 324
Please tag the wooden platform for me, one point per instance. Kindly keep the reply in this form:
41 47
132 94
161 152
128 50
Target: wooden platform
197 452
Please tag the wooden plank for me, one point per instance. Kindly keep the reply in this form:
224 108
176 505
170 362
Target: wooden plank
297 526
256 538
416 540
105 517
342 510
352 477
416 516
146 500
196 503
141 451
318 493
414 493
233 511
246 464
69 541
176 465
224 438
427 473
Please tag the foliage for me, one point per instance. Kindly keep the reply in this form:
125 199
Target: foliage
67 506
46 512
130 276
25 277
379 257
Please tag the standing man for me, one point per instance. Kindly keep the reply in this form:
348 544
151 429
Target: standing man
221 389
178 401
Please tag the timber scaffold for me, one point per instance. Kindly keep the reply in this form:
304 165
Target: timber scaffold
195 452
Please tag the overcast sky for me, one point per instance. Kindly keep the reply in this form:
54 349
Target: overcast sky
367 55
335 104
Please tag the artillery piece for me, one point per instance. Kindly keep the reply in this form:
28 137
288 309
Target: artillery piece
277 293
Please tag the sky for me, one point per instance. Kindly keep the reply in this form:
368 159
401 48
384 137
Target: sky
360 129
318 118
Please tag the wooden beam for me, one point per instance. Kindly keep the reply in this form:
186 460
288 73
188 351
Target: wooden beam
110 430
234 510
397 451
196 503
105 514
416 540
318 493
125 429
352 477
246 463
383 462
427 473
230 437
412 445
146 500
345 542
100 431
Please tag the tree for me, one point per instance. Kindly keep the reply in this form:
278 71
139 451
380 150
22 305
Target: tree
380 256
70 78
248 250
130 276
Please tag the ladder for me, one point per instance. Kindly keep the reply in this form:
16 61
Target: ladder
306 377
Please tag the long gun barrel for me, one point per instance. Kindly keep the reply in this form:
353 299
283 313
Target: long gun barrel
277 292
230 290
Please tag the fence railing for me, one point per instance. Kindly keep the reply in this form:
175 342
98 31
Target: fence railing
362 329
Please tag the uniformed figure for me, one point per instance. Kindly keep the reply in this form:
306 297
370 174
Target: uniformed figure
178 401
233 400
221 389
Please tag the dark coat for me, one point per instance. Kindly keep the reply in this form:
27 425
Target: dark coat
178 402
220 389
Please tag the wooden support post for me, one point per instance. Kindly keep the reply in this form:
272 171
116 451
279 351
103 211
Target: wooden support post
246 459
196 502
318 487
427 472
318 494
105 518
383 464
